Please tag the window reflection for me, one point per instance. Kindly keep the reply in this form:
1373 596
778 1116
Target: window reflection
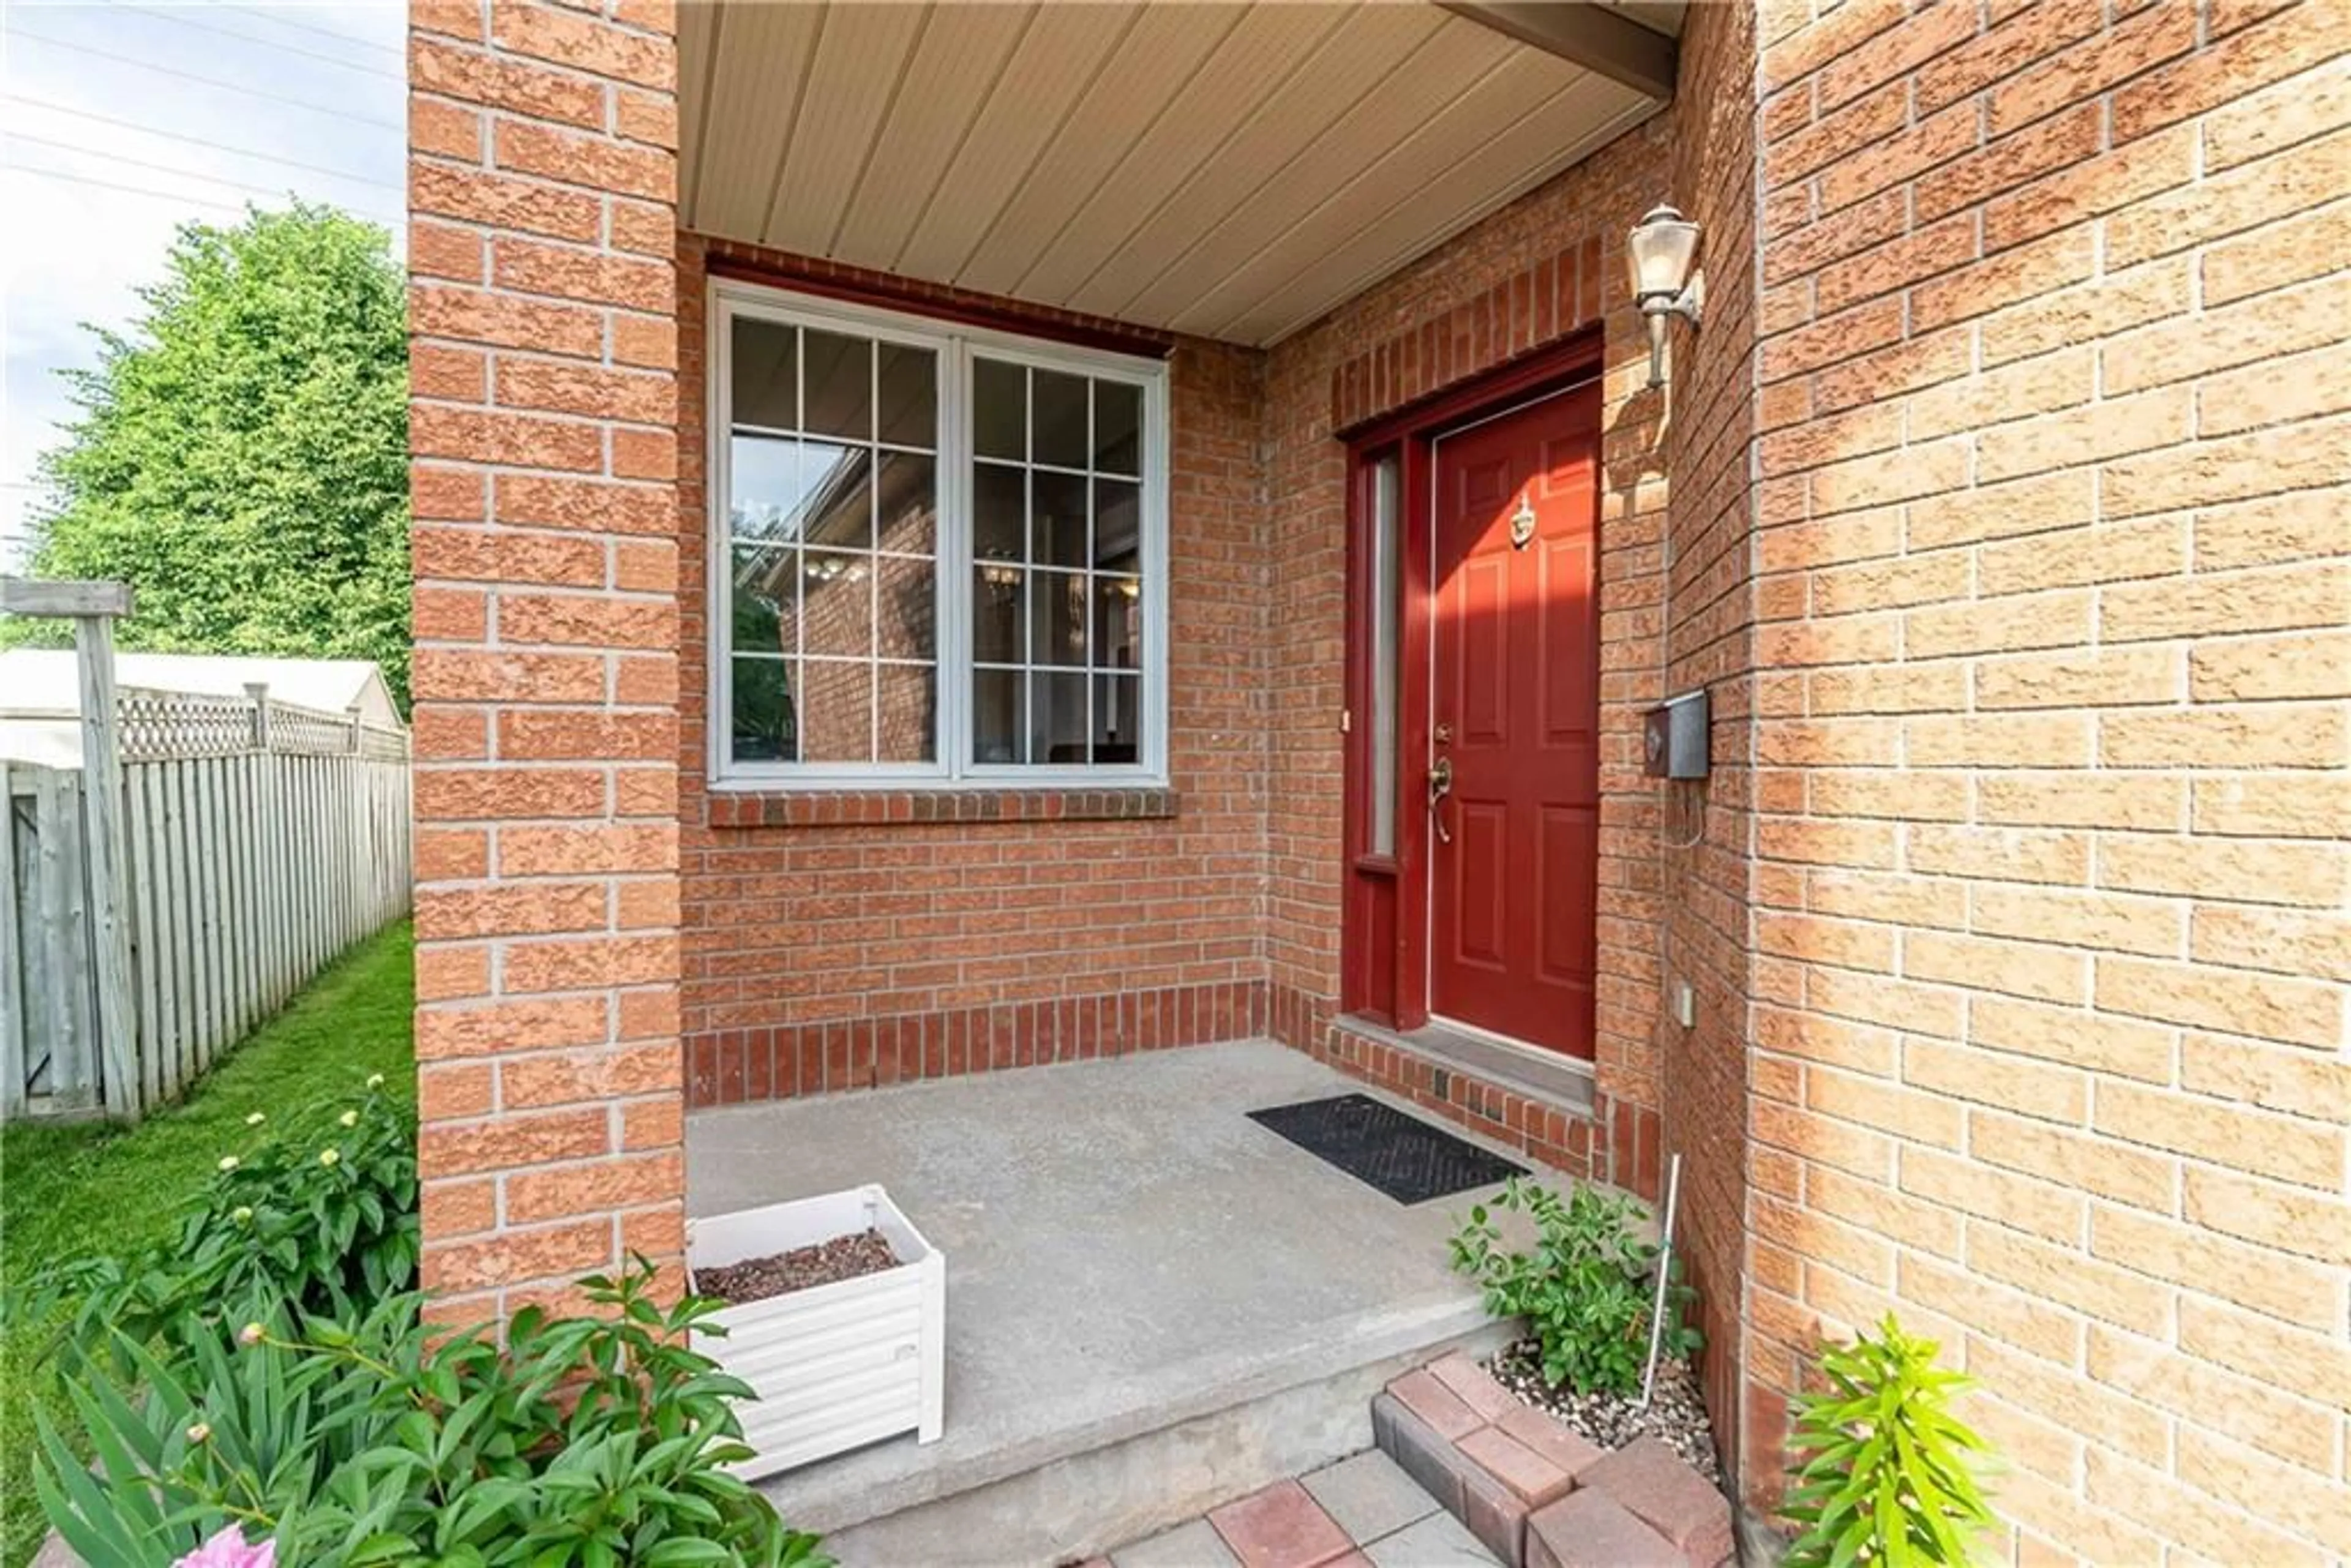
1118 718
838 504
1000 410
999 722
767 386
764 722
839 387
999 513
1118 428
907 503
909 382
836 711
1057 719
1059 432
833 613
767 599
1057 601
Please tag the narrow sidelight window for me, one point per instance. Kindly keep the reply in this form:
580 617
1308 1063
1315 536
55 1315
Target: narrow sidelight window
1385 496
943 552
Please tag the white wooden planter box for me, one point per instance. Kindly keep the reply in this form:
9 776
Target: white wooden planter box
835 1366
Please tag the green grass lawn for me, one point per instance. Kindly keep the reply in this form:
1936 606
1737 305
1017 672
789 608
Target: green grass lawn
69 1191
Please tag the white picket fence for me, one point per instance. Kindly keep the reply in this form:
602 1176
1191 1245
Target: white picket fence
260 841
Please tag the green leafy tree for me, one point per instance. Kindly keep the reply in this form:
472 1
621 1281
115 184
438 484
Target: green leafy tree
240 453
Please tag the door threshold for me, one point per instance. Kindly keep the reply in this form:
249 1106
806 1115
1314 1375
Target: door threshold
1530 1069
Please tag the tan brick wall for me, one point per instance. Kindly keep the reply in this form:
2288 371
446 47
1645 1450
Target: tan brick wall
2052 746
541 170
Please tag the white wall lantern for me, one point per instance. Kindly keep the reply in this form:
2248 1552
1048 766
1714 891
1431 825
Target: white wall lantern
1660 249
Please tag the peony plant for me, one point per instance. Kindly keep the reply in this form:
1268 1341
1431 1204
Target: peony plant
264 1387
581 1442
320 1214
229 1549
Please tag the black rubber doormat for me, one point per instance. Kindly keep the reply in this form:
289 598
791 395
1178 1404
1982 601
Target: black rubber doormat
1381 1146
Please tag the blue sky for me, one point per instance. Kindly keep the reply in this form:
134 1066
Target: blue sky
118 123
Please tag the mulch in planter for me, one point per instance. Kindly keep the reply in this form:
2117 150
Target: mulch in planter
758 1279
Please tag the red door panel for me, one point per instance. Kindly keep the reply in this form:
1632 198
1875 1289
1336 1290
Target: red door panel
1515 709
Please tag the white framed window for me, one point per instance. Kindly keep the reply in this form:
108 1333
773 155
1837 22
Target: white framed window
938 553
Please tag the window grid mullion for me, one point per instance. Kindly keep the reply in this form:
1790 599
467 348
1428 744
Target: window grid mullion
719 537
1086 589
955 523
873 545
1031 552
800 534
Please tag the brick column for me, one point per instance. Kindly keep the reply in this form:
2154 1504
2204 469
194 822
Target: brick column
542 174
1707 862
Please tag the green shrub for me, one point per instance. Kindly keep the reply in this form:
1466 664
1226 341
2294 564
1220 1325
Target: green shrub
1883 1471
267 1370
1585 1291
318 1215
589 1442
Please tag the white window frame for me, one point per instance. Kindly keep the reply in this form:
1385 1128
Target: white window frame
957 345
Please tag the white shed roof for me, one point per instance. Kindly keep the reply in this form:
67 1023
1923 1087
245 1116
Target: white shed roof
41 682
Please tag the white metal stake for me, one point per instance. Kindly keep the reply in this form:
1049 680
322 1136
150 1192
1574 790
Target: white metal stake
1665 1277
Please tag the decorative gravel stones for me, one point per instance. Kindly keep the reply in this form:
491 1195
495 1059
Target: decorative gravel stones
1676 1416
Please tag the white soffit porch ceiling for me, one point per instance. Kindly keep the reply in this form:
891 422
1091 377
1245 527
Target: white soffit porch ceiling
1229 169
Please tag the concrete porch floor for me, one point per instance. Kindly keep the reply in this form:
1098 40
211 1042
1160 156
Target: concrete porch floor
1128 1255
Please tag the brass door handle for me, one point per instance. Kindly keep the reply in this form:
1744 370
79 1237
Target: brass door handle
1440 784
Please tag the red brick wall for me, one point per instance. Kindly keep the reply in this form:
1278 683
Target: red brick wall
540 168
2052 743
987 927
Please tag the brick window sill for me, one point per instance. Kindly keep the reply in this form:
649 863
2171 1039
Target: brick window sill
876 807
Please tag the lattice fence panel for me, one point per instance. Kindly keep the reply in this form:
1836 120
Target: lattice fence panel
383 745
294 728
181 724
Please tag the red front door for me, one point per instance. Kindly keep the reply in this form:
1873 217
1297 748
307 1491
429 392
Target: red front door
1515 714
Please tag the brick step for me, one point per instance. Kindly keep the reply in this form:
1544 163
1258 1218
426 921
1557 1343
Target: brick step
1538 1495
